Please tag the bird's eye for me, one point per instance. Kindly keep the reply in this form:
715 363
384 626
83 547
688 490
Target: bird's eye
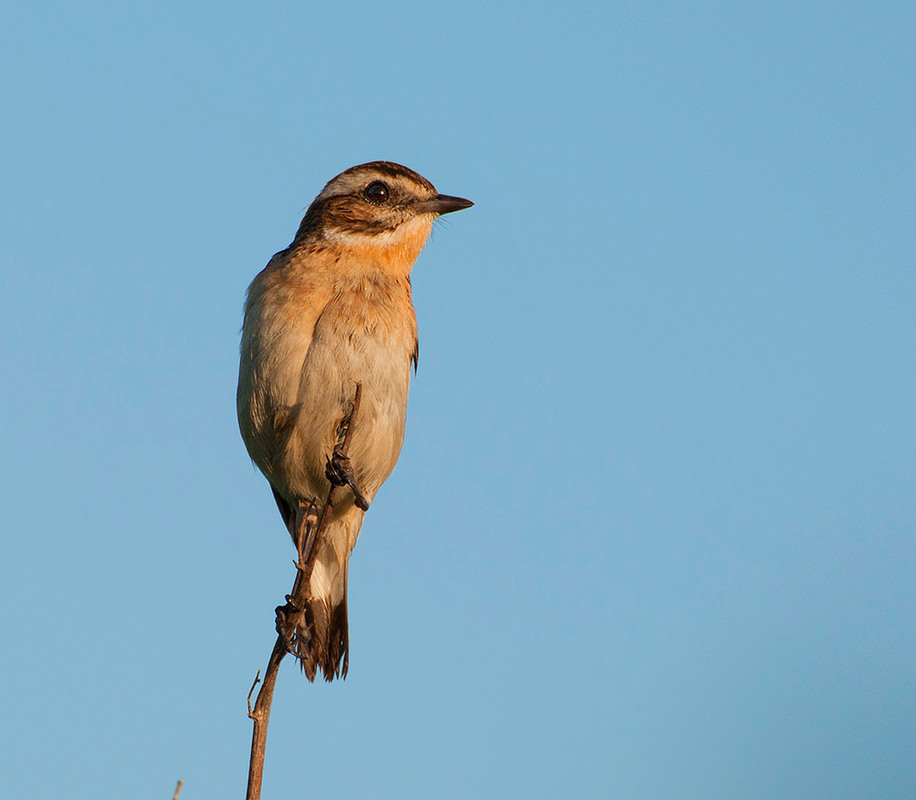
376 192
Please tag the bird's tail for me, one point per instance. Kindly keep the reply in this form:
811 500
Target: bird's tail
323 642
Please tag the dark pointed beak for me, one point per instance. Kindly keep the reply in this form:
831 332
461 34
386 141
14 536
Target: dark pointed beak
442 204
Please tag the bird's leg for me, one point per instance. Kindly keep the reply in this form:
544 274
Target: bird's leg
306 530
339 471
290 617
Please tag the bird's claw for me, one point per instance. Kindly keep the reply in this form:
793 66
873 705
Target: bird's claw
339 471
288 618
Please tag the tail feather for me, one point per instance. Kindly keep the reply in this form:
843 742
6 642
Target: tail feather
323 643
323 640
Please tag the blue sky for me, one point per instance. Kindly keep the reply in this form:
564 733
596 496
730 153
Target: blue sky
652 530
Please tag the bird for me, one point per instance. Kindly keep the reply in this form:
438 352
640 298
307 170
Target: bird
332 312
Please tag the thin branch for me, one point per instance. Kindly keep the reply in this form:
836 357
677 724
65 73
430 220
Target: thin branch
177 790
257 680
309 531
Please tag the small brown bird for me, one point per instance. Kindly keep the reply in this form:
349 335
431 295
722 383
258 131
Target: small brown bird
333 310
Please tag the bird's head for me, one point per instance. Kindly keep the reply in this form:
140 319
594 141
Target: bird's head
377 206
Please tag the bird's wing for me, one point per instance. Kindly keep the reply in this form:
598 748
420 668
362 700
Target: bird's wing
277 333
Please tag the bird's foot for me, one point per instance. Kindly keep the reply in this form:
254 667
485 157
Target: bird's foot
339 472
289 620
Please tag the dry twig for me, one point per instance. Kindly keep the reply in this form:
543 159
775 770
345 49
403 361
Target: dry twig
290 617
177 790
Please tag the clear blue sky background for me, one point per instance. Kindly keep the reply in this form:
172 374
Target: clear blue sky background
652 530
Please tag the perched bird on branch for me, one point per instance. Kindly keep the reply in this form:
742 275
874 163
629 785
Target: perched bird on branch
331 312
